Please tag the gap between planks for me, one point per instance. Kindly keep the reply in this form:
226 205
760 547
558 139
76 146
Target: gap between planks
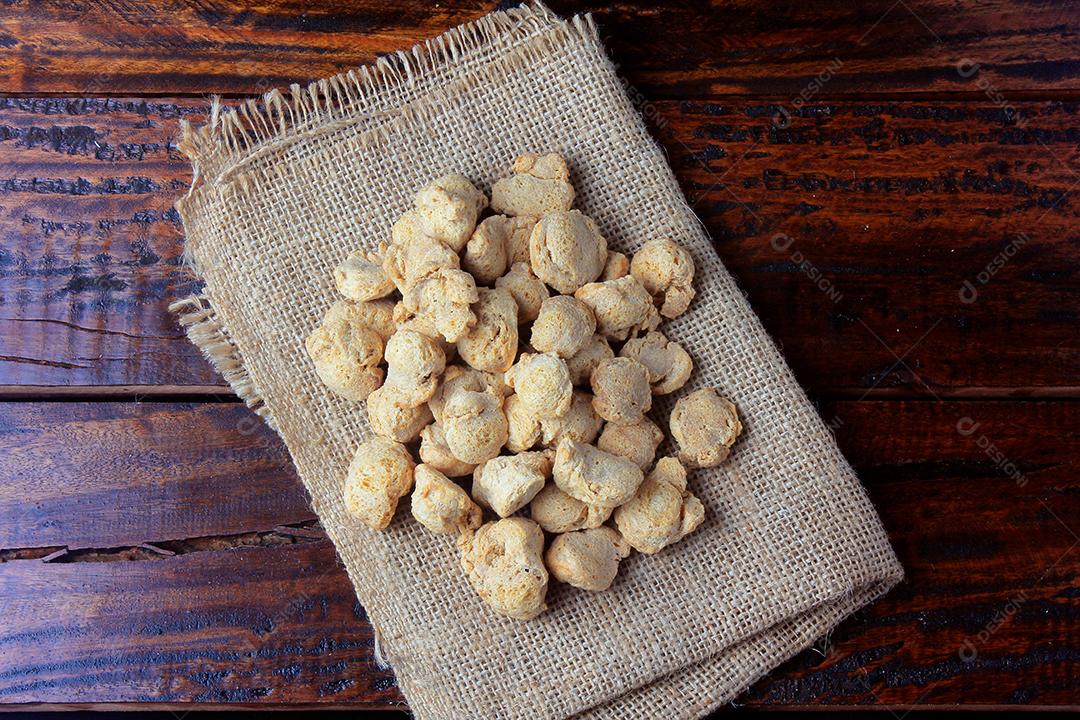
118 393
222 394
291 534
824 97
755 709
180 709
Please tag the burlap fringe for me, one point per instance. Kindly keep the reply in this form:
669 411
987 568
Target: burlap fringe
233 137
196 315
380 659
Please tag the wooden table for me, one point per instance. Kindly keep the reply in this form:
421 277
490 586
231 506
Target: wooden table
894 183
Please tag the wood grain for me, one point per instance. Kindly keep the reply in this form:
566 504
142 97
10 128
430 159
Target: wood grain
273 625
987 612
979 498
673 50
854 226
936 234
858 166
91 247
102 475
134 472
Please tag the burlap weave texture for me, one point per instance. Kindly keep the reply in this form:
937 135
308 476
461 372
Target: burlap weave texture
284 188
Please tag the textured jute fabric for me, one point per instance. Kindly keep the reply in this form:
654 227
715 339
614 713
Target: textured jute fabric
285 187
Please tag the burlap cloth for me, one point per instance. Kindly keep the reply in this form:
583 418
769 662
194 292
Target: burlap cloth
285 187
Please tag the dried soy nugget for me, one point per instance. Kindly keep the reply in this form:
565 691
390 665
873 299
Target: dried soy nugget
360 276
523 426
567 250
539 184
377 315
563 326
414 363
497 243
617 266
587 559
636 441
441 506
557 512
528 291
440 305
457 377
380 474
469 407
435 453
485 255
622 307
580 423
509 482
581 365
504 563
346 350
447 209
705 425
492 343
518 231
413 256
542 383
662 511
391 416
474 425
593 476
668 363
666 270
621 390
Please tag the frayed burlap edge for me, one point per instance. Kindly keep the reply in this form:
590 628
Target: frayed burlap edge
233 139
196 315
235 147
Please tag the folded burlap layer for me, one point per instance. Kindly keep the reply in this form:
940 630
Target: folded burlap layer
285 187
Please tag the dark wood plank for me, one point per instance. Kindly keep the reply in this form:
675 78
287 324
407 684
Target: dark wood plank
111 474
988 613
981 500
854 227
266 626
940 234
669 50
925 438
93 475
880 47
979 497
90 257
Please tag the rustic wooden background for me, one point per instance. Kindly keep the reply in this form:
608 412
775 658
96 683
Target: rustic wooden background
893 183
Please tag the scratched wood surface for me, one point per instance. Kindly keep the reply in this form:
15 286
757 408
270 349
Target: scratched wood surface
897 205
674 49
186 609
858 165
